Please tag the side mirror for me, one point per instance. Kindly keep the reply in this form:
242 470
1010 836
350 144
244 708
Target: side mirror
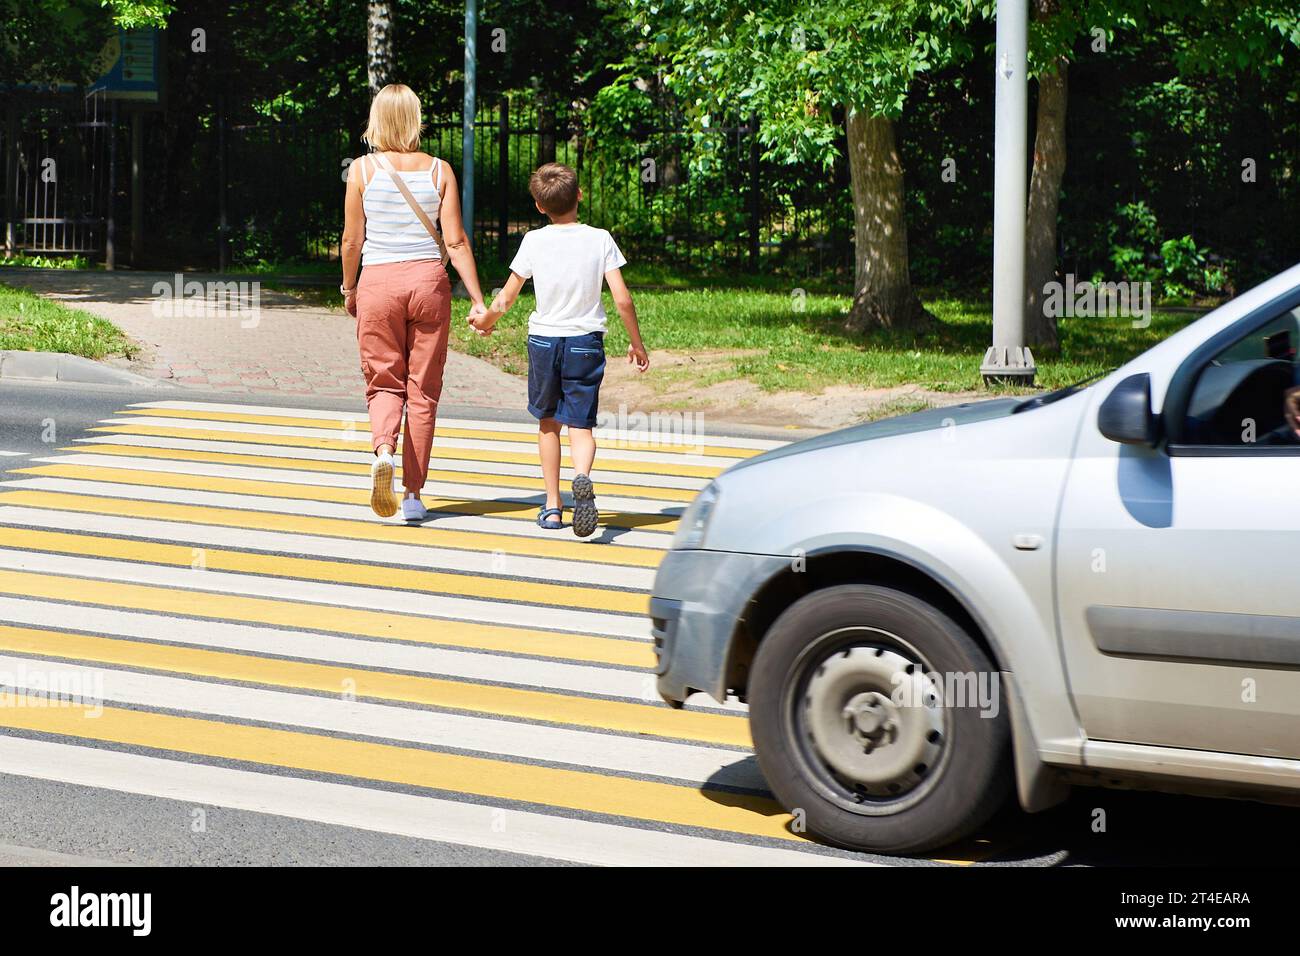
1125 416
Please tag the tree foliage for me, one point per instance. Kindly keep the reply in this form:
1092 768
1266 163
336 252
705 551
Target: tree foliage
799 67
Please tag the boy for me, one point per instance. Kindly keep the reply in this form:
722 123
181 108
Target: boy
566 334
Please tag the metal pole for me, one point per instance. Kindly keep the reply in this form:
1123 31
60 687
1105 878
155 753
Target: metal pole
1008 358
137 187
754 207
223 219
503 180
467 119
110 226
11 178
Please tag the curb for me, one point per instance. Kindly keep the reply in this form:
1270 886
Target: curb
62 367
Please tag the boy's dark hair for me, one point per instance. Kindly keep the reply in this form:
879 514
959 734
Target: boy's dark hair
554 187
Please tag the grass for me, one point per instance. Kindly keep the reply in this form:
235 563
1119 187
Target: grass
31 323
780 348
23 260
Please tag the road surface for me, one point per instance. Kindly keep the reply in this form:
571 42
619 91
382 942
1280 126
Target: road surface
247 666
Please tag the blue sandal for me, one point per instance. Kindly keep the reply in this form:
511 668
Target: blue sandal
545 513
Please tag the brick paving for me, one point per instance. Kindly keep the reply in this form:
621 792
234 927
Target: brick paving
284 347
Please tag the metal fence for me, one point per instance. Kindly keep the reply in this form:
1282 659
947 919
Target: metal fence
56 175
232 191
284 188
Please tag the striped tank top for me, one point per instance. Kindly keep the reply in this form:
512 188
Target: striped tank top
393 232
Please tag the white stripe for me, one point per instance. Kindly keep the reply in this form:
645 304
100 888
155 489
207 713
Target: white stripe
453 444
526 428
338 595
11 454
316 479
465 824
532 472
653 541
375 654
579 748
550 570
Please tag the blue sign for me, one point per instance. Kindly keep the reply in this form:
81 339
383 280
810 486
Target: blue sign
135 58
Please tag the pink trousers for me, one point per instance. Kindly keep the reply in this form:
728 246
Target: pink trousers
403 322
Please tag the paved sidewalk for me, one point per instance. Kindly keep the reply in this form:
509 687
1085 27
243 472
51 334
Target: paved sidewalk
284 347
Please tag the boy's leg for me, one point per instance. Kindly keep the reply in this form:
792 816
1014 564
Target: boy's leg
543 396
582 449
548 448
583 370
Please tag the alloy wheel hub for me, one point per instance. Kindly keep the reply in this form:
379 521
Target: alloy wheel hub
875 720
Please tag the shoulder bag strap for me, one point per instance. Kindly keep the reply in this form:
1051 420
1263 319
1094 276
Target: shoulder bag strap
416 208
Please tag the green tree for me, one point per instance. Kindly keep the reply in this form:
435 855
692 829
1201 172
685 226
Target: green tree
810 73
1223 37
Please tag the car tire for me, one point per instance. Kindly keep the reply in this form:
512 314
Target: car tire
843 638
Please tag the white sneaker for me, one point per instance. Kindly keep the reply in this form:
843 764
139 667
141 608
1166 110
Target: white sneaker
413 509
382 500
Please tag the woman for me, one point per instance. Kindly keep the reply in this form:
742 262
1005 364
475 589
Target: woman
403 300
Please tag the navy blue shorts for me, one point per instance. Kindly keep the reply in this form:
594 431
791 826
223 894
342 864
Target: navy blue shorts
564 374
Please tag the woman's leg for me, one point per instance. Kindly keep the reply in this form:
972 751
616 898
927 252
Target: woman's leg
381 339
428 332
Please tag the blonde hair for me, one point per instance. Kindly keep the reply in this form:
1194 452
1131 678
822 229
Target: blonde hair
394 120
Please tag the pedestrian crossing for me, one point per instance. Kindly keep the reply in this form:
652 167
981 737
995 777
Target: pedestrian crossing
255 638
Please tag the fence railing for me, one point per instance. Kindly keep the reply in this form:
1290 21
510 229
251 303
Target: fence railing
284 190
55 175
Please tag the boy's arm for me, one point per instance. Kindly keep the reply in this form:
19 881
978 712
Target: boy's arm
636 353
486 321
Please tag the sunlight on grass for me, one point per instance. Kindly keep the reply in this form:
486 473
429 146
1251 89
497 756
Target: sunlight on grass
785 348
31 323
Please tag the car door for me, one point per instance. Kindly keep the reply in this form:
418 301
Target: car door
1177 580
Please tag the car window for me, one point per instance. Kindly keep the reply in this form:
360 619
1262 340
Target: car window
1241 397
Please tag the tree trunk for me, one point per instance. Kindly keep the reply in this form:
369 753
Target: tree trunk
1045 191
379 44
1044 201
882 286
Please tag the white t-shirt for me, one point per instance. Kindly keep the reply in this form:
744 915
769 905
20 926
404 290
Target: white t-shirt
567 264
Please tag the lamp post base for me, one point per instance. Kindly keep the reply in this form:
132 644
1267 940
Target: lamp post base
1008 366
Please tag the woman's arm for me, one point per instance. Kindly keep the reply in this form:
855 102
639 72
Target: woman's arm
453 234
354 235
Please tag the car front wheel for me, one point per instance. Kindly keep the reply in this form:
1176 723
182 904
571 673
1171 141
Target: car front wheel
879 721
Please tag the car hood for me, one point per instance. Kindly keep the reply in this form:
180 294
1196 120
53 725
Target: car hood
927 420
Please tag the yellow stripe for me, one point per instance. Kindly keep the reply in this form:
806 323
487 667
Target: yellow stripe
481 434
350 622
516 510
439 451
360 468
657 721
429 536
578 790
335 572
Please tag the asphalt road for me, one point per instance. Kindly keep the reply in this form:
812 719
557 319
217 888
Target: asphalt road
255 670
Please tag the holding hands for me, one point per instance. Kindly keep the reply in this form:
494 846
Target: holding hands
482 320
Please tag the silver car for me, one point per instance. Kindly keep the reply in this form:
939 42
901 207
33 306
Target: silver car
1098 585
